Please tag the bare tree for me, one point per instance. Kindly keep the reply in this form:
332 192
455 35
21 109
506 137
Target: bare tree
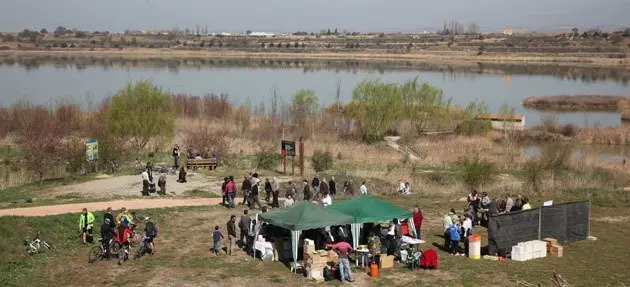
473 28
274 105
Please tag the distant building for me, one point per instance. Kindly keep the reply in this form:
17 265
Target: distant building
502 122
508 31
261 34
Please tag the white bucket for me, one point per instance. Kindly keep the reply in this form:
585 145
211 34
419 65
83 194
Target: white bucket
474 250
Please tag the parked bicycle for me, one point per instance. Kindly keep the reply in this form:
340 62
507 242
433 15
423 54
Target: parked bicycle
145 248
99 252
34 246
111 167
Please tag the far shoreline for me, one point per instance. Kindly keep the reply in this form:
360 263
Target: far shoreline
451 57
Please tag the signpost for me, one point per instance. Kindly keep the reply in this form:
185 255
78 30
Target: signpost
91 150
287 149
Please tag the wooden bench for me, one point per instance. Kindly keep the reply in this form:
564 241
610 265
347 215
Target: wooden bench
193 164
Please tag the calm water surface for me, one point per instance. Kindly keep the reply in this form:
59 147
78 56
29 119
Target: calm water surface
48 83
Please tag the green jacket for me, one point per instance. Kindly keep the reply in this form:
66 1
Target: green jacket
90 219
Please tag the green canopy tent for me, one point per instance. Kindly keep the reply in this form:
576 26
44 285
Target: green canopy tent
304 216
368 209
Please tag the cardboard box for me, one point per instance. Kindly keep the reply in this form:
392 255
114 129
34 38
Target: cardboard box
323 253
386 261
309 248
556 251
551 241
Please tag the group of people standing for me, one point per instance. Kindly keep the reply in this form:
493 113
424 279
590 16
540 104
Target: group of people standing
119 227
458 228
317 190
247 230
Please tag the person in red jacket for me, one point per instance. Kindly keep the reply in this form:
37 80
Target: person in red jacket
417 221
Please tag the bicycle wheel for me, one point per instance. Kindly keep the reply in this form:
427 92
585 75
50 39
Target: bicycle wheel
137 238
96 254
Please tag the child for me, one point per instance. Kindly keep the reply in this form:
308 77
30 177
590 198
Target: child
217 236
453 231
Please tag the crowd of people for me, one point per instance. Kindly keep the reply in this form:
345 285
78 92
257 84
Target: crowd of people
119 228
252 188
479 208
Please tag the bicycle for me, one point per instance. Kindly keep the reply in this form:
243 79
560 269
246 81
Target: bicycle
144 248
111 167
33 247
99 252
138 235
123 254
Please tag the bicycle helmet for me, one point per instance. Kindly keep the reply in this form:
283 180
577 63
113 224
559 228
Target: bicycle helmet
107 221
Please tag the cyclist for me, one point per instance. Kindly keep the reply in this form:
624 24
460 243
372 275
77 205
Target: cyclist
86 222
151 231
119 216
107 233
123 236
133 219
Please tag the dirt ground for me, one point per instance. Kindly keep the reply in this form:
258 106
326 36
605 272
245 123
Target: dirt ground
131 185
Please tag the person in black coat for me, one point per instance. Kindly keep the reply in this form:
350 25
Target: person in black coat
110 216
332 186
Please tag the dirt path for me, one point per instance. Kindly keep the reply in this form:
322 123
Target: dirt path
116 204
393 142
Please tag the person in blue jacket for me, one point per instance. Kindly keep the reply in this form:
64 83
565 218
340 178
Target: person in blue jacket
453 231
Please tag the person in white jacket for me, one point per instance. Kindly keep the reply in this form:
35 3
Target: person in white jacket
363 189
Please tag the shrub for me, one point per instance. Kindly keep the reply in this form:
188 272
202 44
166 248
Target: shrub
321 161
476 171
534 174
141 112
604 176
555 157
267 158
569 130
202 139
549 123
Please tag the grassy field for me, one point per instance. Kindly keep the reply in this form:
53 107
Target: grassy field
182 256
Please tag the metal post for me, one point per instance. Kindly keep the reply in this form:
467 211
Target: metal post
301 158
589 217
539 222
292 165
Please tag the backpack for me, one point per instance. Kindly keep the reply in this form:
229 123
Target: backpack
151 230
328 274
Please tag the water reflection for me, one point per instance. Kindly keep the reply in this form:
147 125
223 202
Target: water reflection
601 152
619 75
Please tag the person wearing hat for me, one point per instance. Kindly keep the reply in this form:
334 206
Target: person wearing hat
107 233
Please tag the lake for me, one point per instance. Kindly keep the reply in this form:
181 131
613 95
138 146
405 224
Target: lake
46 80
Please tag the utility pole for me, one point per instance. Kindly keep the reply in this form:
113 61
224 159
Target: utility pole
301 158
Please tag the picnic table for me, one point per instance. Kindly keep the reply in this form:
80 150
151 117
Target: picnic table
209 163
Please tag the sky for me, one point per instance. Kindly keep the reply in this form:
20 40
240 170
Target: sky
311 16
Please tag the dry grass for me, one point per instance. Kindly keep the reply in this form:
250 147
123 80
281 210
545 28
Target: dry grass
615 136
575 102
